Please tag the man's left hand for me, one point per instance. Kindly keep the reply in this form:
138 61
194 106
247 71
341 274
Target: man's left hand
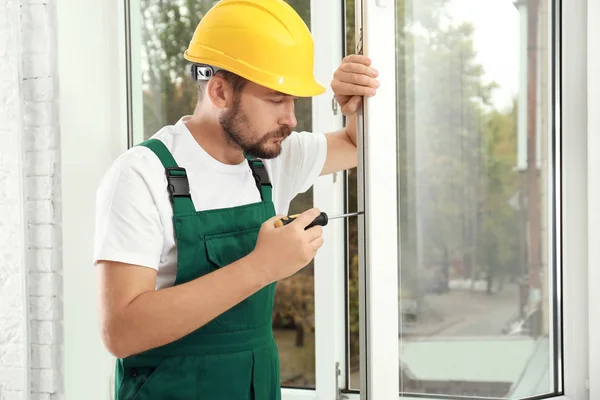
353 79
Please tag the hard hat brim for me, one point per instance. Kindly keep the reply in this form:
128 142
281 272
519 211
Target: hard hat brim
300 87
308 89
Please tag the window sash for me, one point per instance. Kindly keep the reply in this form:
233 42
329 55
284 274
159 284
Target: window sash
328 195
379 360
377 188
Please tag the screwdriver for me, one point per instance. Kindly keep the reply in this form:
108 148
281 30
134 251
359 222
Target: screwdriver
322 219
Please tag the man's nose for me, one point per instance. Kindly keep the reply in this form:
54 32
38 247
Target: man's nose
289 118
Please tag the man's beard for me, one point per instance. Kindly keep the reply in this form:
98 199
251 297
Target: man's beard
233 123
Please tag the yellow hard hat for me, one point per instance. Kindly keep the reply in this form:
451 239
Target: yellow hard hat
264 41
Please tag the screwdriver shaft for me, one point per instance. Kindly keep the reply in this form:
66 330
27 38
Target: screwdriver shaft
347 215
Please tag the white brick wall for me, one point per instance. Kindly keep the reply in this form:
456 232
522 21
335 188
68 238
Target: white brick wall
13 295
30 268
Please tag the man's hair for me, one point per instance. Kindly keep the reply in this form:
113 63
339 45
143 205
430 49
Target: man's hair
236 82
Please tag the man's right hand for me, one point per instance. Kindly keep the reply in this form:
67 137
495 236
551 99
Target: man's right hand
281 252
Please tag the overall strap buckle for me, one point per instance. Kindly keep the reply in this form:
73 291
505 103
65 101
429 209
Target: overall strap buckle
261 175
178 184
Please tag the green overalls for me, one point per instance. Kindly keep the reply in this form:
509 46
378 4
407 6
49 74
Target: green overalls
234 356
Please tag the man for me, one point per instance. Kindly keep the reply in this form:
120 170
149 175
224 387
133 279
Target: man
186 245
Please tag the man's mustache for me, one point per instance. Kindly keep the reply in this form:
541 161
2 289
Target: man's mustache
282 132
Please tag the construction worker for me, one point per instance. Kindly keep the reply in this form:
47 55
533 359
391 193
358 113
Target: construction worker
186 246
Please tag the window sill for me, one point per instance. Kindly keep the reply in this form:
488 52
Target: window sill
301 394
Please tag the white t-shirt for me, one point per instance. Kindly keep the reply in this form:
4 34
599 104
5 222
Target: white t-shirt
134 216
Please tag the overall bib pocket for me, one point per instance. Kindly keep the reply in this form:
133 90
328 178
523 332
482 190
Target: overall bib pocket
226 248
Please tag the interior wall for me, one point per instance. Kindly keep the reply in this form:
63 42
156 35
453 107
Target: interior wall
13 344
30 260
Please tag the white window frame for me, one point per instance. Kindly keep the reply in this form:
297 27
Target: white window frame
593 179
134 78
92 116
378 227
573 121
328 31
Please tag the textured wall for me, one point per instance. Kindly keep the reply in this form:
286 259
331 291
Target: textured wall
30 276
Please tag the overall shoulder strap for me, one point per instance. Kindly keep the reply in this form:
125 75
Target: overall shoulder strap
177 181
261 176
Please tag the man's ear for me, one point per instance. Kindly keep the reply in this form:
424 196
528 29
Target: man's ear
219 92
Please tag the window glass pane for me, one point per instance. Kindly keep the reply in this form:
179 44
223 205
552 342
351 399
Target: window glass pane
476 309
169 93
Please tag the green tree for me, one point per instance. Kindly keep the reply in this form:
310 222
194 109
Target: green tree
168 90
499 249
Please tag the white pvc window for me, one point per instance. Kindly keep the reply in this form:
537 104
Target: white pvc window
473 201
460 170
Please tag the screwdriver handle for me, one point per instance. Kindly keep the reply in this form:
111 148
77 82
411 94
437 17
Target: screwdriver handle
322 220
